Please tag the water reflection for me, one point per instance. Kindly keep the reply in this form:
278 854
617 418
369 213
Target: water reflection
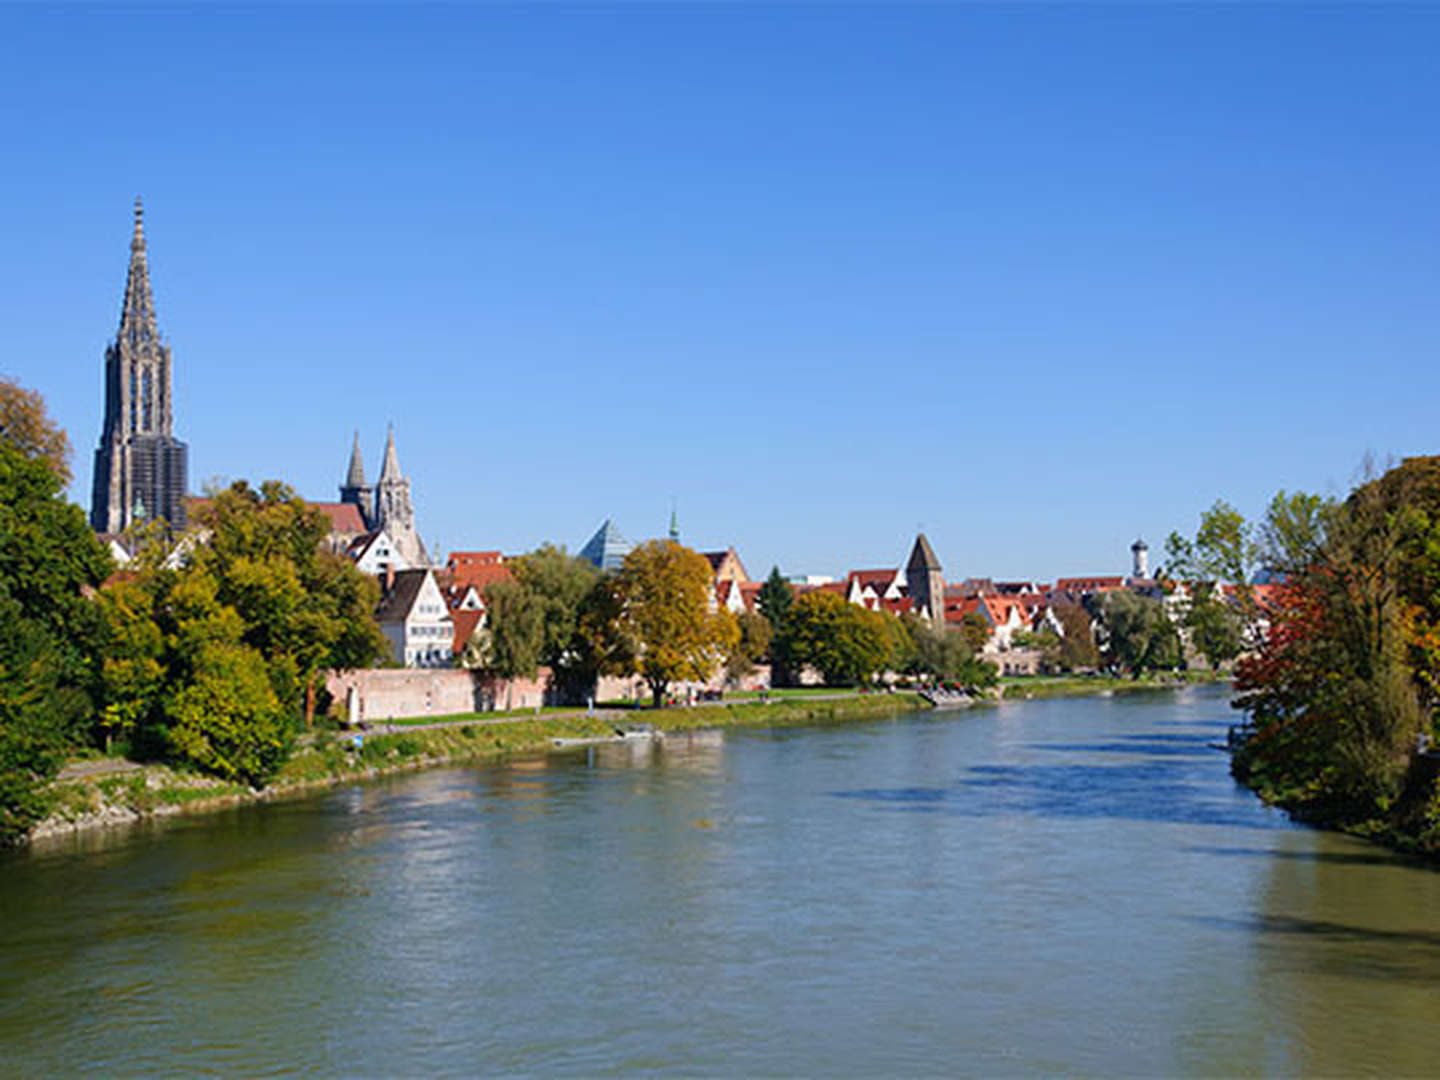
1050 887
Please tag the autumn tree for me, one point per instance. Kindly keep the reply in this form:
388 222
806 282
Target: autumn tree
26 425
662 612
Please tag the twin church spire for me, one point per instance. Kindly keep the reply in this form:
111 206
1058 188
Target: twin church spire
386 506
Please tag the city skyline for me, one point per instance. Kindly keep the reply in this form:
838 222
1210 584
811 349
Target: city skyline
825 278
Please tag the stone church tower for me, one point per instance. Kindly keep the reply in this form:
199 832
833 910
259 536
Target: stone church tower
924 581
140 467
355 490
393 511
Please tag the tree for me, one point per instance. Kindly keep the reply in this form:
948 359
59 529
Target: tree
662 605
1215 626
940 654
1224 548
215 662
751 647
1346 677
1076 650
846 643
304 609
25 425
1139 636
1292 536
975 630
775 600
510 644
534 619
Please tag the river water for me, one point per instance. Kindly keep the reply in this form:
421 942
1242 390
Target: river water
1072 887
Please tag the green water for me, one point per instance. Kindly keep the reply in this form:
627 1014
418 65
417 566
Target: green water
1059 887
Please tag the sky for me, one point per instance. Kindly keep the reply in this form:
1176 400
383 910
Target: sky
1035 278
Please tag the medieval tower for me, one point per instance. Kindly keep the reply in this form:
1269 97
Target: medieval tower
924 581
1140 559
355 490
140 467
393 511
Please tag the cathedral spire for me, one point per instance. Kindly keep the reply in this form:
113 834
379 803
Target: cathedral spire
137 317
355 476
390 470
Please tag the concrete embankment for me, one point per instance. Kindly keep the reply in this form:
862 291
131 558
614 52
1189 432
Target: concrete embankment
93 795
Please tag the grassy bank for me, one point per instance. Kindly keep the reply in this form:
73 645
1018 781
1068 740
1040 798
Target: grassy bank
1044 686
156 790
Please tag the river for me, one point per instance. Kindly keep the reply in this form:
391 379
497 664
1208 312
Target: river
1072 887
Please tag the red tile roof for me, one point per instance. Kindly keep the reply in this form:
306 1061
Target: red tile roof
477 568
465 623
344 517
1089 584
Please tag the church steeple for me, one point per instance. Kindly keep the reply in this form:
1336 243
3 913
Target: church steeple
393 510
390 469
140 467
355 477
355 490
137 315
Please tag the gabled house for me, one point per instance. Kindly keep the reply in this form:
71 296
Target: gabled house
415 619
726 565
375 553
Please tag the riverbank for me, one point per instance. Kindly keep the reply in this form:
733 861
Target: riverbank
97 795
1031 688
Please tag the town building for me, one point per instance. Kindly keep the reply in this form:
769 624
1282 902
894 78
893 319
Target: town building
141 469
415 619
607 549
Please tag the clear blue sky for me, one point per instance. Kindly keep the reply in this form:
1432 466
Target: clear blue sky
1040 278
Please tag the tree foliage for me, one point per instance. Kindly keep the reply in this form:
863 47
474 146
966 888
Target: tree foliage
26 425
1215 627
1346 677
49 631
846 643
1139 636
216 661
662 614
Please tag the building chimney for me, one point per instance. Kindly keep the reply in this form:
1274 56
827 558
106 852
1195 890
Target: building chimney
389 577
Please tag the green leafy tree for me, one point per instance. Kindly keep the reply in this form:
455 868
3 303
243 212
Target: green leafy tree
304 609
510 644
535 619
751 647
1139 636
1216 627
662 611
846 643
1224 548
50 632
1076 650
1293 534
975 630
940 654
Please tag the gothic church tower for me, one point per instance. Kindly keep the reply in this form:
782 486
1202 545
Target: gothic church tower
140 467
355 490
393 511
